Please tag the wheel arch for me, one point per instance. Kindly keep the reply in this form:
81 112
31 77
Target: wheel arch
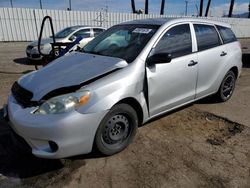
135 105
235 71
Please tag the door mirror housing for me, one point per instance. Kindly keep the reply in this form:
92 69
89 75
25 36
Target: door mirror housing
159 58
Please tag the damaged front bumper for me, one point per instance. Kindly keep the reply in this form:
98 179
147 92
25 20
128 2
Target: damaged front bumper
54 135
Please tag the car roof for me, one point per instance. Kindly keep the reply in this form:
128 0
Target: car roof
162 21
75 27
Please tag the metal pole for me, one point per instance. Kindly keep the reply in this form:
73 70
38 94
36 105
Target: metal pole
133 6
146 6
201 7
11 3
249 10
41 5
186 8
208 6
231 8
69 4
162 7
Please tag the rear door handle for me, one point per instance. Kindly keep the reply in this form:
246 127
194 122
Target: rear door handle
192 63
223 53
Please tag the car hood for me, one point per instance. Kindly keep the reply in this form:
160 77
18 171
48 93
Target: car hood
70 70
45 41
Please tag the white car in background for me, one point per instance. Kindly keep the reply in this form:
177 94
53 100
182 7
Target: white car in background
66 35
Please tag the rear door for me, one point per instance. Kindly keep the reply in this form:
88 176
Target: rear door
211 57
172 84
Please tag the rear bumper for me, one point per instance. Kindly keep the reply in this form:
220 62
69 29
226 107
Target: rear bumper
73 132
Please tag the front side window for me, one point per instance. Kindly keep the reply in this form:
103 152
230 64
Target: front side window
122 41
207 36
176 41
84 33
227 34
65 32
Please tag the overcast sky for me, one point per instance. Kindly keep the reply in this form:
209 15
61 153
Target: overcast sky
177 7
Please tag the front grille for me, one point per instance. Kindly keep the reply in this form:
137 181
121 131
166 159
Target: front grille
22 95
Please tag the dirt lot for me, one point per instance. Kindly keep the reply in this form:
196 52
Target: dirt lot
202 145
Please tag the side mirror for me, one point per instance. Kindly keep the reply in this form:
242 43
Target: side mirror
159 58
72 38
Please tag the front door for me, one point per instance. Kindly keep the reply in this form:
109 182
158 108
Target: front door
172 84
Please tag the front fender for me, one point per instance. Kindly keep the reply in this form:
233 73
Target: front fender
108 91
105 98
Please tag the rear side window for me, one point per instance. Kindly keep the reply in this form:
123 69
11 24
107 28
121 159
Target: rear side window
84 33
207 36
227 34
176 41
97 31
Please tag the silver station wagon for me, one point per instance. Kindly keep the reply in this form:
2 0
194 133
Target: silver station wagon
127 75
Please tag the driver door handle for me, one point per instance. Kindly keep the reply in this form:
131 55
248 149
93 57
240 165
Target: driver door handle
223 53
192 63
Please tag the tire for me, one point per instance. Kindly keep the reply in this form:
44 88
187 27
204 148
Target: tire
116 130
227 86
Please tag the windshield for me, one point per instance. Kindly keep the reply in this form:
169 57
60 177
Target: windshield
65 32
122 41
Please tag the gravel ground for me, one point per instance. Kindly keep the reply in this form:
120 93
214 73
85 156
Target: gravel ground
202 145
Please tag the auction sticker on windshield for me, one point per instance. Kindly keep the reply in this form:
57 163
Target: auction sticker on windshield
142 30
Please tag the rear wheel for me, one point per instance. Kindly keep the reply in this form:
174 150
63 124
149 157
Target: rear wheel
116 130
227 87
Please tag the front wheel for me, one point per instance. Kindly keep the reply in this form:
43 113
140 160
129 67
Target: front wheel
227 87
116 130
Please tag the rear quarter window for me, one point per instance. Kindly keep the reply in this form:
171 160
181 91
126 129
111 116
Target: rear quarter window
207 36
97 31
227 34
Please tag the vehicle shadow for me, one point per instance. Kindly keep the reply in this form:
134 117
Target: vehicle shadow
15 159
246 60
167 114
26 61
22 61
93 155
208 100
